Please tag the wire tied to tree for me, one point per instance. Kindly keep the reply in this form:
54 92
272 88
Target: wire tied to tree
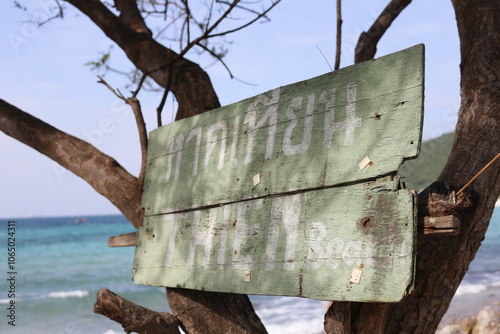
479 173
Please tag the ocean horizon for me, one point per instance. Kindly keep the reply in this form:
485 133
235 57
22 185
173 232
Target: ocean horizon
61 262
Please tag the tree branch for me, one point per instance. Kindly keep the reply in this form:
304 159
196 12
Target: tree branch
189 83
367 43
259 16
101 171
338 318
131 16
235 312
339 34
134 103
209 30
132 317
217 57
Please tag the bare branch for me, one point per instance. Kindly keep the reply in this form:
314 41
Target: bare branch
185 24
190 84
206 34
134 103
184 51
101 171
119 95
367 43
139 85
213 54
59 14
339 34
132 317
263 14
247 9
159 109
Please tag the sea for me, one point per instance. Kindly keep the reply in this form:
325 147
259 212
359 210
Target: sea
61 262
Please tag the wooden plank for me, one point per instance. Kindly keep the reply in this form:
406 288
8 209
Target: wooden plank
302 136
344 243
440 225
123 240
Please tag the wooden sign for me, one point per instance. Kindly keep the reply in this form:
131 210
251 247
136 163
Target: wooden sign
285 194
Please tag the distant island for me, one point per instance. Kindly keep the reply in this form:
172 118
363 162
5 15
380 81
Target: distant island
421 172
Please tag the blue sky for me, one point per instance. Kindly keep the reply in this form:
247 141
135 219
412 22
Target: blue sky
43 73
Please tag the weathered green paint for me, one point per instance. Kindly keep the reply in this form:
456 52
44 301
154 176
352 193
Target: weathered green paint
306 244
277 194
295 148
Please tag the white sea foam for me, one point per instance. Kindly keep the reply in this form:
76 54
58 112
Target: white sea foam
283 315
311 326
8 301
469 289
66 294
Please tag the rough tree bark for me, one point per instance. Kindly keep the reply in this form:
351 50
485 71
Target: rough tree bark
134 318
442 261
367 43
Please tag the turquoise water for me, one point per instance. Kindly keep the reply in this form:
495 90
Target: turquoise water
61 263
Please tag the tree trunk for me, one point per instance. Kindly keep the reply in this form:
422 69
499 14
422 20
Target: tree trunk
442 261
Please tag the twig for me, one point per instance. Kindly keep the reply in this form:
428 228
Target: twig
139 86
102 81
479 173
339 34
247 24
206 34
159 109
217 58
134 103
60 14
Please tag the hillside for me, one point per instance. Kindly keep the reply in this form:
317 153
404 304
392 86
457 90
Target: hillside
421 172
